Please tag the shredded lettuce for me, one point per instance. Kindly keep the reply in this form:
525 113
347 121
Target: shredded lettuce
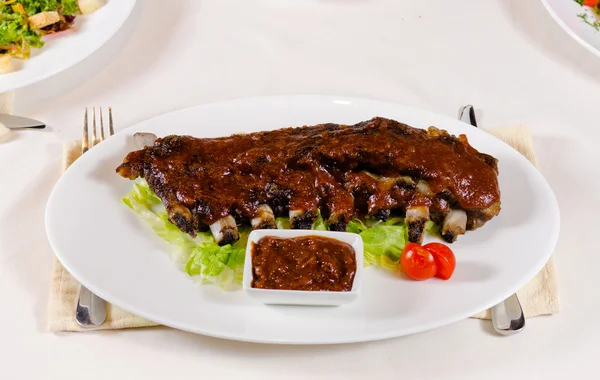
31 7
70 7
320 224
433 229
383 241
208 263
16 38
283 223
212 264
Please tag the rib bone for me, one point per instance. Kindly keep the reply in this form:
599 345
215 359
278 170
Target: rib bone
144 139
182 218
424 189
455 224
416 217
225 230
302 220
264 219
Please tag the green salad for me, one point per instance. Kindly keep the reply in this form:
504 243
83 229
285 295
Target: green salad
206 261
23 23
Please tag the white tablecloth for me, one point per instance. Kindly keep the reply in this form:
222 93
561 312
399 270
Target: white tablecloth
507 57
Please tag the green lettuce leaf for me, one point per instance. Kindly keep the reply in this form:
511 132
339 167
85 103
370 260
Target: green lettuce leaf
320 224
283 223
383 241
433 229
70 7
222 266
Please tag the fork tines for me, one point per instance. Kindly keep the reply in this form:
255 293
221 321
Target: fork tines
96 139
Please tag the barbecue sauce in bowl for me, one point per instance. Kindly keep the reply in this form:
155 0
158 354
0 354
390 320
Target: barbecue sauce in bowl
310 263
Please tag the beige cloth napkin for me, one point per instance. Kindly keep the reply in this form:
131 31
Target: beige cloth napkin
539 297
7 101
64 289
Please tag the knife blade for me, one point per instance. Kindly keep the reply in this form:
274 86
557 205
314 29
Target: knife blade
19 122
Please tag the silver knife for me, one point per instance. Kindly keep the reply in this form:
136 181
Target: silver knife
19 122
507 316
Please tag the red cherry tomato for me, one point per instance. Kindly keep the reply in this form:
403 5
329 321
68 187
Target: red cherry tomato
417 262
590 3
444 259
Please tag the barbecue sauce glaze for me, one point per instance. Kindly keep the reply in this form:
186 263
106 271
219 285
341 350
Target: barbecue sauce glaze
342 170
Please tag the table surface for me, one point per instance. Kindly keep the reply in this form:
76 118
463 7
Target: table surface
507 57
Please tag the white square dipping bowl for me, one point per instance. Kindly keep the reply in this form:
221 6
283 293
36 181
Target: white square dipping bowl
304 297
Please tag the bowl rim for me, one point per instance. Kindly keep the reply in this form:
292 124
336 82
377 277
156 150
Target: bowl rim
355 240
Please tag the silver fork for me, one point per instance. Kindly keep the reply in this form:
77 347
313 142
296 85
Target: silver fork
91 309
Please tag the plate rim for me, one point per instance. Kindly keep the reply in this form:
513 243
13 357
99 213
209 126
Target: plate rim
554 235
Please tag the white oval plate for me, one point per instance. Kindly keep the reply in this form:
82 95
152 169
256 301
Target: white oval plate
58 54
108 249
565 14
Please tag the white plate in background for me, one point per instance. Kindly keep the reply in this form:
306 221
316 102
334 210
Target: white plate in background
58 54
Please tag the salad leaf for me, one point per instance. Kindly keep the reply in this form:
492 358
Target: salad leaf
320 224
70 7
283 223
383 241
15 36
223 266
433 229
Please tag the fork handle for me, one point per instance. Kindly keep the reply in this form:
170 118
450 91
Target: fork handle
508 317
91 309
